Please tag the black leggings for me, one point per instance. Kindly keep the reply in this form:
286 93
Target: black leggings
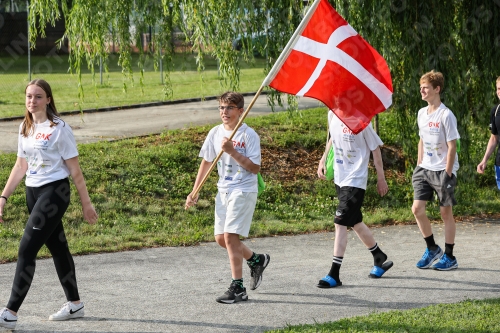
46 205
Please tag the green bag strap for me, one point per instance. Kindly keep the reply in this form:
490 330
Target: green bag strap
330 116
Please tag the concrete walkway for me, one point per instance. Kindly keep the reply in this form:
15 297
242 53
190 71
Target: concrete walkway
112 125
174 289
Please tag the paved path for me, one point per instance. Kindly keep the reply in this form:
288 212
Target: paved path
174 289
112 125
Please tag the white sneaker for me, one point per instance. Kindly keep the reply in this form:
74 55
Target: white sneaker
7 319
68 311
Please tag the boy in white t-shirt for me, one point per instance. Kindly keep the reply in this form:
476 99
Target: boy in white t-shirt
352 154
237 192
436 171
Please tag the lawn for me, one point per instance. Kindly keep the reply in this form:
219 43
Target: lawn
464 317
116 89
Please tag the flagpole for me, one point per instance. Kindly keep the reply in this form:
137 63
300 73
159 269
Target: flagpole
289 46
243 116
272 73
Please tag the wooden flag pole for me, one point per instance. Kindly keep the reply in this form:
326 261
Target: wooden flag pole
195 193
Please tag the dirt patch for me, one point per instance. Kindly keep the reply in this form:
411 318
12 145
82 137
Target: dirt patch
298 163
291 164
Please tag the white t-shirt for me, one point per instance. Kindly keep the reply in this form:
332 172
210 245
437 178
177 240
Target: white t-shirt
434 139
45 151
352 152
231 175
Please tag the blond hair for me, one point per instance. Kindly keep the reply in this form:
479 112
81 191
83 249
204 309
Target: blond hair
436 79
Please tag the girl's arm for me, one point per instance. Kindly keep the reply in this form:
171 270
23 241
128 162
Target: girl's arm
16 175
89 213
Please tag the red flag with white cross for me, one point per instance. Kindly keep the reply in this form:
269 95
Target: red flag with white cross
328 60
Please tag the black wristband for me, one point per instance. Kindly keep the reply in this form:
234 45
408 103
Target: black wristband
1 196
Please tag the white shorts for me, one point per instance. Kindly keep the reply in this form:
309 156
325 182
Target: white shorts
234 212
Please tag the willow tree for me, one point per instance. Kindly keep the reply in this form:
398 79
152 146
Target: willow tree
459 38
210 26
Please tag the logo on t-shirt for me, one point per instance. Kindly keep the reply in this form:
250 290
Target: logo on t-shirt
42 141
346 130
434 128
43 136
237 144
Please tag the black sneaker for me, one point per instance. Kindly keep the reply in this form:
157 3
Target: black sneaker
257 270
234 294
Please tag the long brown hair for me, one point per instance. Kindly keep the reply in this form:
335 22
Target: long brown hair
28 127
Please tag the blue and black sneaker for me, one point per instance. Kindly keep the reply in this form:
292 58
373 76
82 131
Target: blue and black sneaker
429 257
445 264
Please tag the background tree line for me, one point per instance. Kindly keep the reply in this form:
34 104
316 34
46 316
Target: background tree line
459 38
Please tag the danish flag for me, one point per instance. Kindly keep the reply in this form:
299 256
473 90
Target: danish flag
327 60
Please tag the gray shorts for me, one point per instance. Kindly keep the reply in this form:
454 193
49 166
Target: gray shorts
426 182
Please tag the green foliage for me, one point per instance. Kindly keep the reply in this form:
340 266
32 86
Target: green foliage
458 38
467 316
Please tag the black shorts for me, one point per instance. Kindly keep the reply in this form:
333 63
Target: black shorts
426 182
349 209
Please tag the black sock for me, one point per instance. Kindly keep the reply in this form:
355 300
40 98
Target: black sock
335 270
379 257
431 244
448 250
254 259
238 282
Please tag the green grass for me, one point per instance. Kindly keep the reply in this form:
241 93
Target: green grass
139 187
116 90
464 317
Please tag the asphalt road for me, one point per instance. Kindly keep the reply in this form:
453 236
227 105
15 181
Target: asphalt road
174 289
119 124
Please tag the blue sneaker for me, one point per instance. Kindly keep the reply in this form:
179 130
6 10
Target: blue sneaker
429 257
445 264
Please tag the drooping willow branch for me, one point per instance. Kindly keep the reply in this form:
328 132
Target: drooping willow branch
459 38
